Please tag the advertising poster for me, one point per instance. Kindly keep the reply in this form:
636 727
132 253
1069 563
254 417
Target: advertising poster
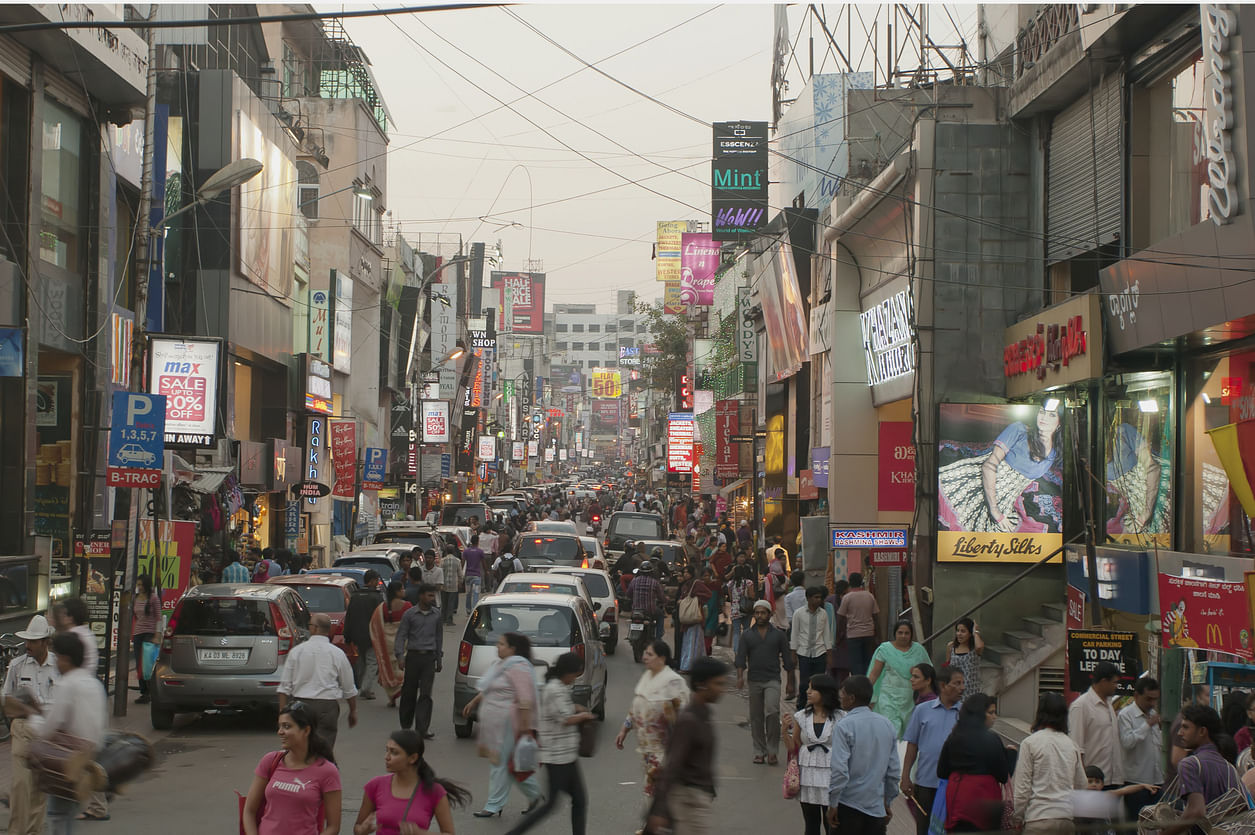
1138 473
94 565
1087 648
699 260
671 303
344 458
342 336
516 451
435 422
173 558
186 372
527 294
549 455
444 332
1000 483
605 417
533 449
1205 614
727 452
265 247
896 459
784 316
487 448
667 249
605 383
680 442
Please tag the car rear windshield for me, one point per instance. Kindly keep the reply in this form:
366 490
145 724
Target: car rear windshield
322 598
551 588
461 515
223 616
377 563
596 585
545 624
636 526
422 540
553 547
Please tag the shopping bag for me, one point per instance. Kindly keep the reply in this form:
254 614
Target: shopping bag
149 658
937 818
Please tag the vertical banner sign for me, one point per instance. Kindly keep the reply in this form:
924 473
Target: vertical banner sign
316 457
516 451
342 339
444 332
1205 614
533 449
680 442
320 324
671 303
727 453
896 484
527 301
93 562
185 371
747 331
562 454
1024 523
403 436
699 259
344 458
487 448
374 465
1220 26
1087 648
738 179
291 524
435 422
172 555
136 440
821 456
667 248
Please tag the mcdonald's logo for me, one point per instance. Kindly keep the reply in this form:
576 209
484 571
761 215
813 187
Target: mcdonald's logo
1215 637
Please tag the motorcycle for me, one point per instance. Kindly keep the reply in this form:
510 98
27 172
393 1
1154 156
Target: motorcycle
641 632
594 524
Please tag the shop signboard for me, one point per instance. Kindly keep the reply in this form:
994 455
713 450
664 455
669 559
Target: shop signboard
517 449
887 325
93 563
374 466
172 557
344 458
562 454
548 455
252 464
747 329
1074 618
1026 522
1205 614
680 430
738 179
867 537
806 489
533 449
342 338
1087 648
667 248
671 303
820 458
699 260
136 440
727 452
444 331
527 312
320 324
186 372
435 422
487 448
317 385
316 464
886 557
896 457
605 383
280 474
1057 347
446 465
291 523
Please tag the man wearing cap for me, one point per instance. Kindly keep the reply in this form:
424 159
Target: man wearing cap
762 650
29 681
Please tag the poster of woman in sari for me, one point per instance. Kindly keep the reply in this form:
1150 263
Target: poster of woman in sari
1138 475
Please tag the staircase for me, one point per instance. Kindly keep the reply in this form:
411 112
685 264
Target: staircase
1029 661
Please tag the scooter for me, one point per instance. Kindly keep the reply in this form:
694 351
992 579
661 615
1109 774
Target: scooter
641 633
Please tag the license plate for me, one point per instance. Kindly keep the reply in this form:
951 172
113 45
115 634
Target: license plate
635 628
222 656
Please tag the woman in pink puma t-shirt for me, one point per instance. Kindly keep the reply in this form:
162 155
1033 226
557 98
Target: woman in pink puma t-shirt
295 791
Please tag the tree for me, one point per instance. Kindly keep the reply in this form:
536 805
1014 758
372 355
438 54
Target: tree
671 340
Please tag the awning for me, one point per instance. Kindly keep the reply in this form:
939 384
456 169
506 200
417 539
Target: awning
199 479
733 487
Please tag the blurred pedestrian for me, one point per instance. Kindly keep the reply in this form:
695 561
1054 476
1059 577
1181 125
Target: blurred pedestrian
410 797
660 695
362 605
28 684
1047 770
299 785
976 764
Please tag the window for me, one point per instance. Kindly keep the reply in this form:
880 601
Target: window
60 240
594 328
612 328
577 329
307 190
561 346
368 218
577 346
560 328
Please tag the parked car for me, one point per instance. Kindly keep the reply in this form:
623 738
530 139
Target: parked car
592 546
328 594
224 647
358 574
412 534
555 623
545 549
672 551
536 582
461 513
605 603
385 562
630 525
559 526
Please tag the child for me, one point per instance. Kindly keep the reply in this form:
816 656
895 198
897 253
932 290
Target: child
1093 813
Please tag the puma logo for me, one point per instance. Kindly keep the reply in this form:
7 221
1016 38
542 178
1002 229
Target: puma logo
296 786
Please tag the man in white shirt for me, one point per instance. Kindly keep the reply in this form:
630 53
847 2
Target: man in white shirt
70 615
318 674
810 638
1047 772
78 708
1141 739
28 682
1093 726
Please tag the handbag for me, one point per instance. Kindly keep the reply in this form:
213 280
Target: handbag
64 766
791 784
526 757
274 766
149 658
588 739
690 611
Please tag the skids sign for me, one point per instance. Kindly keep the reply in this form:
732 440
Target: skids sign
1050 347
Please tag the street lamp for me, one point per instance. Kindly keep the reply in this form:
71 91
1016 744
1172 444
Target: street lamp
225 178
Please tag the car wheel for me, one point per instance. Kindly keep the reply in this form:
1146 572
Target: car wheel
162 717
464 730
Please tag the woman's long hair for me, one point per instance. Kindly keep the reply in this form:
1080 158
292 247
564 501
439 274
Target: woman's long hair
411 742
521 644
930 675
829 693
318 747
1036 449
972 713
567 663
971 632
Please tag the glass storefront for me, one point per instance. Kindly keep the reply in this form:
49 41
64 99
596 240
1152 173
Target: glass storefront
62 182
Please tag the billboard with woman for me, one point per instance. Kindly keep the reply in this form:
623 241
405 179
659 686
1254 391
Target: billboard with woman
1138 472
1000 482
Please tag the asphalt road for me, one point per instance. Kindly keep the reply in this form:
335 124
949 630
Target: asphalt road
206 759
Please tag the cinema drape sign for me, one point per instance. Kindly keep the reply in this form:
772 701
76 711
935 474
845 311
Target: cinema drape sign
1205 614
738 180
186 372
1056 347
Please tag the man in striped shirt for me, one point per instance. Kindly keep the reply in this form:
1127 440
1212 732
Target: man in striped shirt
235 572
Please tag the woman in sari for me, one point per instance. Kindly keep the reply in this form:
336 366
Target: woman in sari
383 635
692 635
714 607
660 694
507 703
890 675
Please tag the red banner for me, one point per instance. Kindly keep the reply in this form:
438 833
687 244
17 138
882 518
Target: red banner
806 489
344 457
1205 614
896 486
727 453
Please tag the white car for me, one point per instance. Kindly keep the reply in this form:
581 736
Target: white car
593 546
605 604
135 454
542 582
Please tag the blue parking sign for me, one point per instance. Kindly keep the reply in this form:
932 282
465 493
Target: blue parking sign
375 461
136 440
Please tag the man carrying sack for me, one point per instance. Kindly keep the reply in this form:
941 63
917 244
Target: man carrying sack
28 682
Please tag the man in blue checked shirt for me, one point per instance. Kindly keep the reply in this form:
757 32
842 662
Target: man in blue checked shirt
859 798
235 572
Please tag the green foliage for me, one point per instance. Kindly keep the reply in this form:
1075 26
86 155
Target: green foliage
670 338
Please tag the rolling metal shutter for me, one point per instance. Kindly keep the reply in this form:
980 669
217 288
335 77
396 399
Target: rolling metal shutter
15 61
1085 172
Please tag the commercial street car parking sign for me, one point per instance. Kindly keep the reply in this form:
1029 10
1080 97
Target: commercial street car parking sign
136 440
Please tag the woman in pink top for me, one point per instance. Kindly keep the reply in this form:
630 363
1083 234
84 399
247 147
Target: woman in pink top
295 791
406 799
146 609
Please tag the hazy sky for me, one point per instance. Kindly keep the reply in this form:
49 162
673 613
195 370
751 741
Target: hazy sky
453 159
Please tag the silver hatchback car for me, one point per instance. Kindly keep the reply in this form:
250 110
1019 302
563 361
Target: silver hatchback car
555 624
225 647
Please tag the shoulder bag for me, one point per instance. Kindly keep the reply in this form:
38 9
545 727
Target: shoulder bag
691 611
64 766
405 816
274 766
791 785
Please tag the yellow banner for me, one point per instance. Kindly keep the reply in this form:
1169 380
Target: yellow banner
605 384
667 249
958 546
671 304
1225 440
